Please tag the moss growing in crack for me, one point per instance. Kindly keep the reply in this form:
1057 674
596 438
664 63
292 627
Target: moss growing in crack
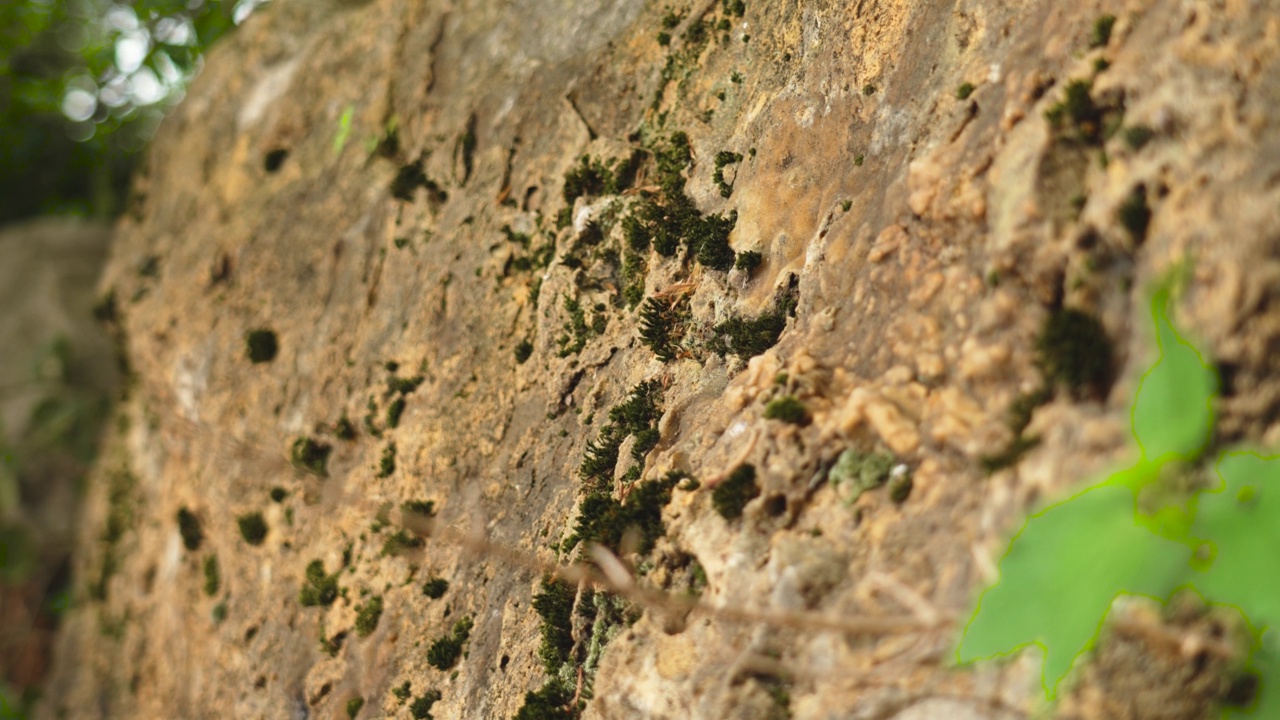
592 178
212 576
965 90
261 346
404 386
723 158
552 701
857 472
387 464
394 411
445 651
554 604
748 337
1101 33
731 496
354 705
310 455
1137 136
318 589
367 616
663 323
401 542
189 529
253 528
708 238
1135 215
748 261
523 352
420 708
1074 350
435 587
788 409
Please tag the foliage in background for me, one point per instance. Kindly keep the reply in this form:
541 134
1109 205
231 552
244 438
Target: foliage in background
83 85
1071 560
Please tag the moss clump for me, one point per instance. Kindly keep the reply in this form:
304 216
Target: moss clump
319 589
404 386
411 177
387 464
278 494
344 429
1077 110
708 239
731 496
367 616
1137 136
420 708
189 529
354 705
858 472
723 158
212 576
394 411
964 91
219 613
421 508
445 651
261 345
788 409
553 701
435 587
591 177
554 604
1101 34
253 528
1135 215
402 691
577 331
401 542
868 89
311 456
637 415
663 323
523 352
1074 349
748 337
748 261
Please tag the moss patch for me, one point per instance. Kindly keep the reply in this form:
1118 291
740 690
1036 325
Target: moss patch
261 346
788 409
253 528
445 651
319 588
731 496
310 455
367 616
189 529
1074 350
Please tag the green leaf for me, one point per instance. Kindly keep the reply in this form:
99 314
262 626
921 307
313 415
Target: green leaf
1061 574
1172 413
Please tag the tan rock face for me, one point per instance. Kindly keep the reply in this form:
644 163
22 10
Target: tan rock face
462 311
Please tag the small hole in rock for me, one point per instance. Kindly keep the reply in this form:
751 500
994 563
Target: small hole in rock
274 159
775 505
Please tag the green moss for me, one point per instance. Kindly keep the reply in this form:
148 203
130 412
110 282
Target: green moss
1101 34
664 38
788 409
708 238
868 89
856 472
523 352
1135 215
387 464
731 496
964 91
422 508
1076 110
553 701
737 8
367 616
253 528
404 386
189 529
723 158
748 261
261 345
1074 350
354 705
1137 136
394 411
663 324
858 160
409 178
592 178
402 691
634 269
219 613
554 604
278 494
420 708
445 651
900 486
748 337
576 329
310 455
212 576
435 587
319 589
401 542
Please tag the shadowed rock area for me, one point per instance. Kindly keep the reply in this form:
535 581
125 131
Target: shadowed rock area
422 299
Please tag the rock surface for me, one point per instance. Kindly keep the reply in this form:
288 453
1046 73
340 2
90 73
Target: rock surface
396 193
